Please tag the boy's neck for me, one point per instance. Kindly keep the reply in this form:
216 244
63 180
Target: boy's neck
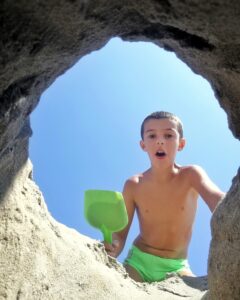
164 174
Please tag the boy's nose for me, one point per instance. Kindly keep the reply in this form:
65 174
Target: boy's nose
160 142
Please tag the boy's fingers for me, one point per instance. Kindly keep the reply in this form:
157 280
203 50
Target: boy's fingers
115 243
111 249
111 253
108 247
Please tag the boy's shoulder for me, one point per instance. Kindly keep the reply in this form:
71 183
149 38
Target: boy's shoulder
194 173
191 169
131 185
135 179
194 169
191 172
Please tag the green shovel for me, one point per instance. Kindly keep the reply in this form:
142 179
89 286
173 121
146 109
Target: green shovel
106 211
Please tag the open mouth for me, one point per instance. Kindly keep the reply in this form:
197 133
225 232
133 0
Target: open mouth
160 154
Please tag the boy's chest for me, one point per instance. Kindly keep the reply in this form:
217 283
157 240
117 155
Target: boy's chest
167 201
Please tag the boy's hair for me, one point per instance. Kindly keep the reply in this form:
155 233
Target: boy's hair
163 115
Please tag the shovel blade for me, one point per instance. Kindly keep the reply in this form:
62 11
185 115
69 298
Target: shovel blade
105 209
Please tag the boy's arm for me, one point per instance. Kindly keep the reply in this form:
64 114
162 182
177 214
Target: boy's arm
210 193
119 238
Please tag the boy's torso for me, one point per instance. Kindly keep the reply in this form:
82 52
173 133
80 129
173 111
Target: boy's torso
166 214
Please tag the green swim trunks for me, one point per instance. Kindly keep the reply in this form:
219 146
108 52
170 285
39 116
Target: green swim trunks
153 268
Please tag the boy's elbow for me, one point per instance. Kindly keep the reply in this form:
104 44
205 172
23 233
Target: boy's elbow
216 201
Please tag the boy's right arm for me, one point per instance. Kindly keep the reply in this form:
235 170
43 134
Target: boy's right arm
210 193
119 238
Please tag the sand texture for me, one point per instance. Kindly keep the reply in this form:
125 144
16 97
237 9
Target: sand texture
43 259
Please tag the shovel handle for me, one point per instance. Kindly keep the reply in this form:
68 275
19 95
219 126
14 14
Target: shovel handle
107 235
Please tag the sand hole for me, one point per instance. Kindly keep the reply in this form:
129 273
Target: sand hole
86 131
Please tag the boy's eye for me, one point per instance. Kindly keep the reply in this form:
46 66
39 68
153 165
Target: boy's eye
168 136
152 136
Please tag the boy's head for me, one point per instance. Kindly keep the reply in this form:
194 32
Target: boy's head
162 137
163 115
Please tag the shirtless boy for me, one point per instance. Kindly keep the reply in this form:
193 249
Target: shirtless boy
165 198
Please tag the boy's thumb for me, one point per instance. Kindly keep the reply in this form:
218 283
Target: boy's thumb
108 246
115 243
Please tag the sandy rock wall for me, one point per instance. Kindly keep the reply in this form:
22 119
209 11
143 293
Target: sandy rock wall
43 259
42 39
224 262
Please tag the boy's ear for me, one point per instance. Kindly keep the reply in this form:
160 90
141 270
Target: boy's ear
182 144
142 145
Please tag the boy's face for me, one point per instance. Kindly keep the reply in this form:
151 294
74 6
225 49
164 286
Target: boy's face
161 140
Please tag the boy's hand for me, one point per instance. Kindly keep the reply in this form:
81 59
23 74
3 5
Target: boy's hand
112 249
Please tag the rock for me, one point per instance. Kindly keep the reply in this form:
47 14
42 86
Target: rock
224 263
40 40
43 259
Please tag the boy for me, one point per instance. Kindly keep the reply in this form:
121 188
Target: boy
165 198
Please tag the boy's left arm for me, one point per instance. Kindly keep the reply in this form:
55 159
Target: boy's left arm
210 193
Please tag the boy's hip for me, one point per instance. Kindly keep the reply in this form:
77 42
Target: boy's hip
152 267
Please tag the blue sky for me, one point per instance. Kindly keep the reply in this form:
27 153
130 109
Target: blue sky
86 132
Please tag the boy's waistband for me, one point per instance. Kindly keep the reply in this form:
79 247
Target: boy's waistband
158 258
